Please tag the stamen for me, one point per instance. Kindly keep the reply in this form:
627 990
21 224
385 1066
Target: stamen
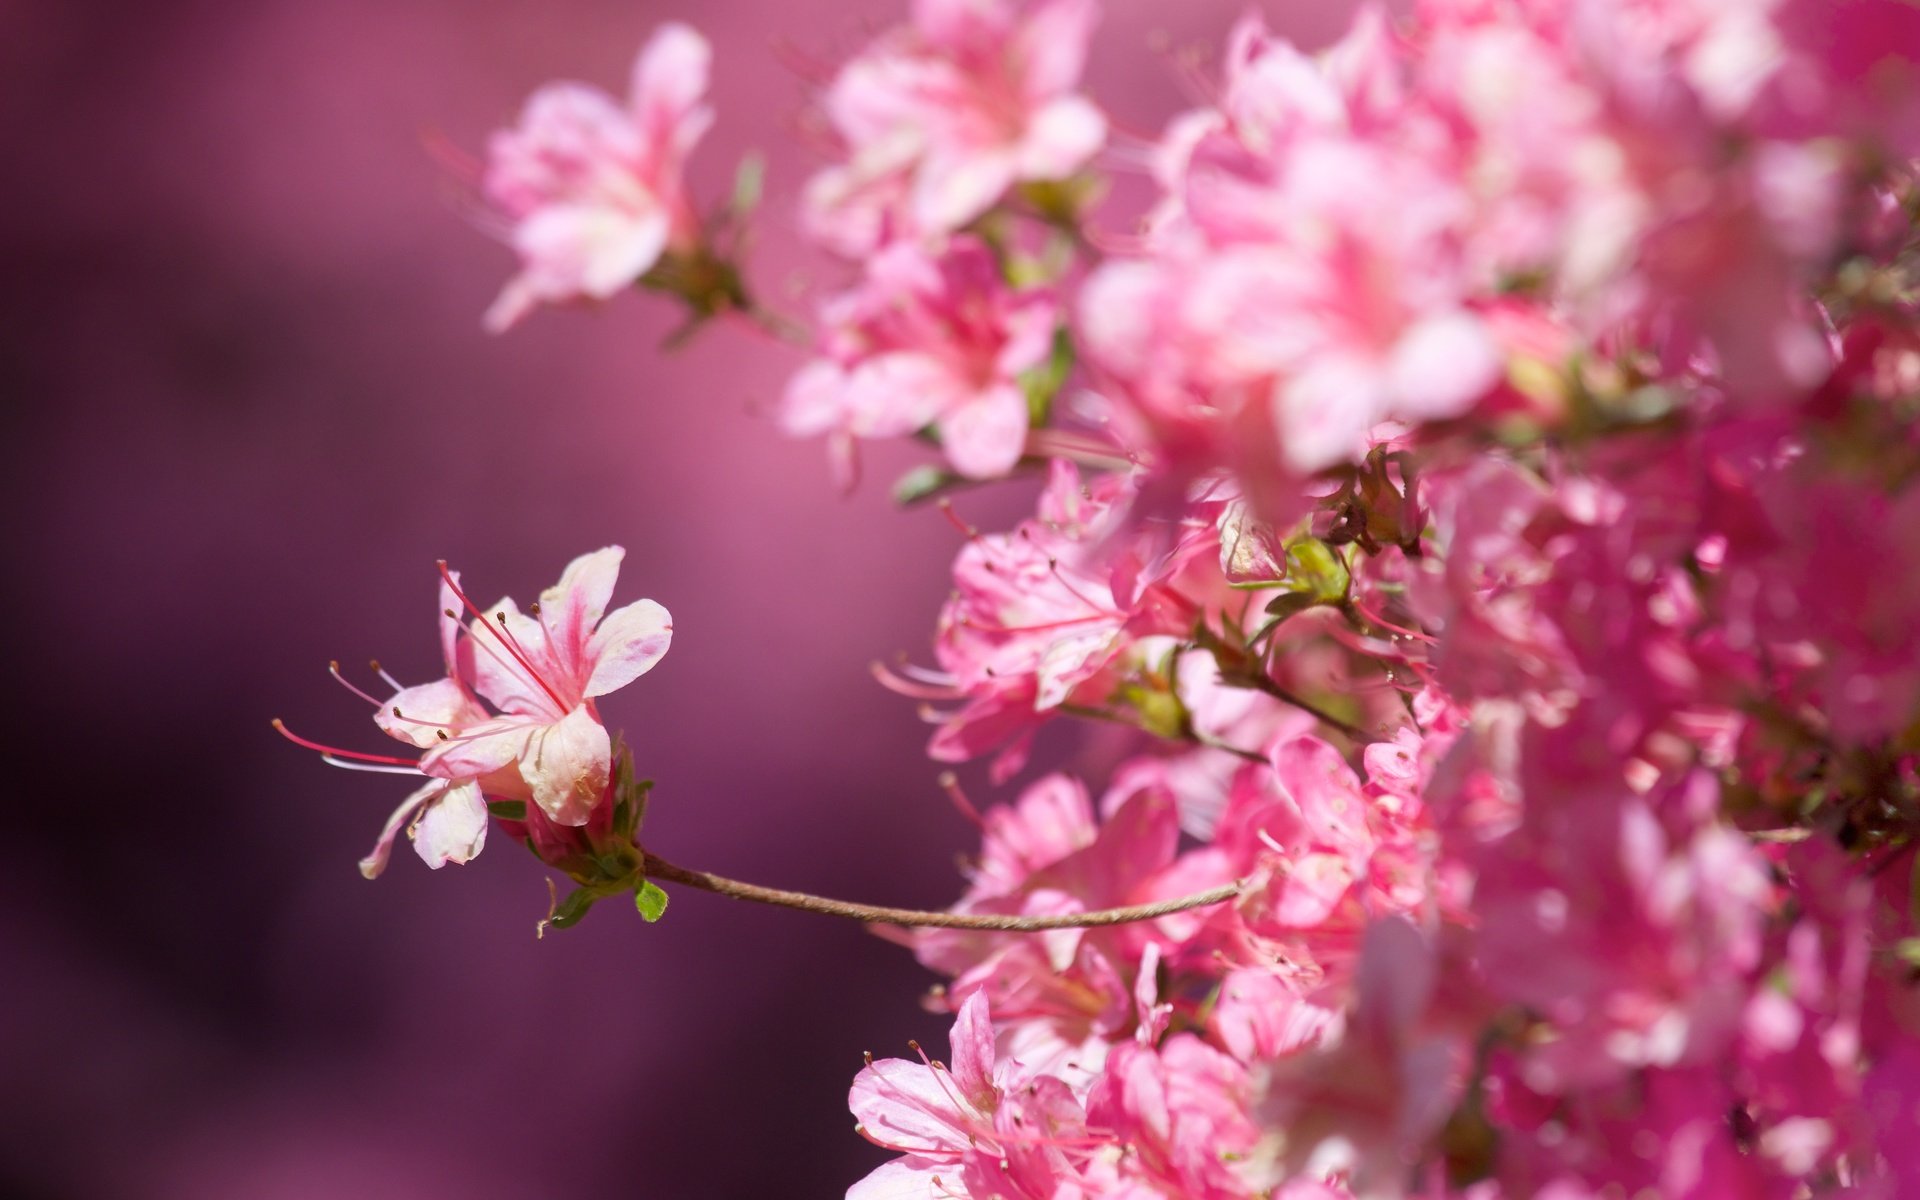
373 768
967 531
333 669
335 751
505 639
381 671
950 784
400 716
1053 565
903 684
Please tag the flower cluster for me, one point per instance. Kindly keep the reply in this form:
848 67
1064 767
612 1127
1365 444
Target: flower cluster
1483 490
1487 490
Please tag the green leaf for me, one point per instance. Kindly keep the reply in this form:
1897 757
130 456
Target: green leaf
650 900
508 810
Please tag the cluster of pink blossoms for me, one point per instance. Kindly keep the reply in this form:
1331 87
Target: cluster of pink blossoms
1488 486
1485 488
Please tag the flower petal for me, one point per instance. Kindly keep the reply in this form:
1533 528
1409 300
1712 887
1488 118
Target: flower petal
906 1106
909 1178
453 827
972 1043
571 608
481 749
669 78
985 436
419 715
376 859
627 645
1061 137
566 764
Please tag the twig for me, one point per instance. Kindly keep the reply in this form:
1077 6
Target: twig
660 868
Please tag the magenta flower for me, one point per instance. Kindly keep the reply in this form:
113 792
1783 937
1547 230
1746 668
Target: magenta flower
1046 615
591 189
939 118
977 1128
928 342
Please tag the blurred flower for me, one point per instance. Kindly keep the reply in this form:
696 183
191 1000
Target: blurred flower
928 341
939 118
592 190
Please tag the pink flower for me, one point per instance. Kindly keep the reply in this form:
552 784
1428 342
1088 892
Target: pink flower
928 341
1069 991
542 671
941 117
977 1128
1365 1101
1046 615
591 190
1183 1114
545 744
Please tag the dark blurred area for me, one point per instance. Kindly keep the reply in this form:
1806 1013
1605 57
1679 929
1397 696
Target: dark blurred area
245 402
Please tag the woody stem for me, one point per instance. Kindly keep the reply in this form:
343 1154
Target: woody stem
660 868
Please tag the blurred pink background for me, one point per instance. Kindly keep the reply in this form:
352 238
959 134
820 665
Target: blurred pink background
247 403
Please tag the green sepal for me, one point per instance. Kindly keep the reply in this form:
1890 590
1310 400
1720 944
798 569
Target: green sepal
1289 603
1318 570
1161 712
650 900
1042 383
629 795
568 912
508 810
749 184
922 483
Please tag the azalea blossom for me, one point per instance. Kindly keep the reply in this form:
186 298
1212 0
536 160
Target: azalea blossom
513 719
936 342
939 118
591 189
542 671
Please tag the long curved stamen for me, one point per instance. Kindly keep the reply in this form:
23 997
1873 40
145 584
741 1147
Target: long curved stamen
967 531
336 752
1049 626
902 683
372 768
512 647
950 784
945 1079
333 669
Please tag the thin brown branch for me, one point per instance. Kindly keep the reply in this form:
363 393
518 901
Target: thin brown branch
660 869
